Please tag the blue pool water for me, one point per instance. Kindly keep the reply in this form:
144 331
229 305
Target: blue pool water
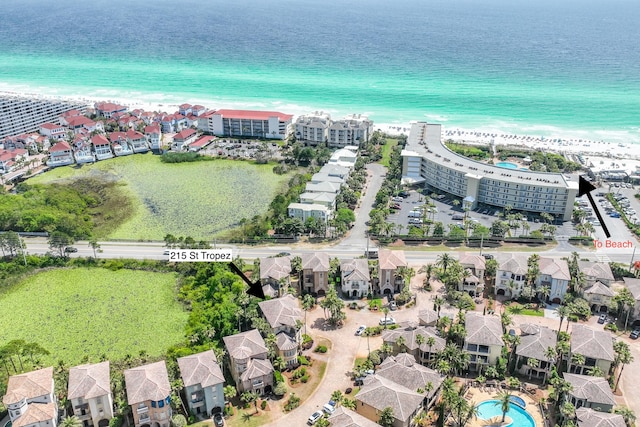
519 417
507 165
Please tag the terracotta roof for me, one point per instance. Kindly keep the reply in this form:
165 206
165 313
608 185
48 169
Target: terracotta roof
147 382
99 140
318 261
593 343
245 344
89 381
202 141
184 134
152 129
201 368
80 121
132 134
379 393
50 126
29 385
253 115
535 345
593 389
283 311
275 268
483 329
587 417
355 269
117 136
556 268
390 260
36 413
343 417
60 146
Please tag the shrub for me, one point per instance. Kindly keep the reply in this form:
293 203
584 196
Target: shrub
303 361
263 405
611 327
292 403
278 377
116 421
305 378
178 420
280 389
321 349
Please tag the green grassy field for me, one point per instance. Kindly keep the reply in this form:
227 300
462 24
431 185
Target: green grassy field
386 151
82 311
198 199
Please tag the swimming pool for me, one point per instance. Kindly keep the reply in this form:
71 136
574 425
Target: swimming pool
519 417
518 401
507 165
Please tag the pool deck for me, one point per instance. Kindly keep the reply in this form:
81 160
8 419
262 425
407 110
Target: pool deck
478 395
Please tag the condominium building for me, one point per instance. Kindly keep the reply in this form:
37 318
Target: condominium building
21 115
247 123
426 160
318 128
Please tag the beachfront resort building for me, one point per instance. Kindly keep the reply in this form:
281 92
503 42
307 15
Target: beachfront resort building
247 123
428 162
318 128
22 115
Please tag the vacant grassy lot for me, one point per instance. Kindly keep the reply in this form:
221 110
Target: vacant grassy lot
198 199
93 311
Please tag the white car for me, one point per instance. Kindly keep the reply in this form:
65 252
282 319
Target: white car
313 418
329 408
388 321
360 330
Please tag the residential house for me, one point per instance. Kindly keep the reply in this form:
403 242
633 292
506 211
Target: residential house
511 274
589 392
409 332
101 147
554 273
154 136
183 138
69 115
82 150
634 287
535 341
275 275
53 131
587 417
323 177
185 109
473 278
137 141
120 144
80 124
306 210
428 317
285 318
198 110
344 157
599 296
315 273
201 142
379 393
323 199
484 339
30 400
108 109
343 417
261 124
595 345
149 394
60 154
355 277
248 363
403 369
90 394
203 383
335 170
322 187
10 159
390 279
596 272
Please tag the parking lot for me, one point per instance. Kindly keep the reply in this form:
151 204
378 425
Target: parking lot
446 212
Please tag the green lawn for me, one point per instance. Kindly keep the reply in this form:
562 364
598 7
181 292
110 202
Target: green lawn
93 311
386 151
516 308
197 199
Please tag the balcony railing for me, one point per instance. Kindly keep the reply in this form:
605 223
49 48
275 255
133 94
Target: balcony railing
142 410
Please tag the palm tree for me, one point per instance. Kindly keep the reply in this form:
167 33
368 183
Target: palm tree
308 302
437 305
623 356
386 417
443 261
250 397
578 360
385 310
532 363
419 341
551 354
337 397
562 311
229 392
72 421
505 319
627 414
504 401
401 343
431 341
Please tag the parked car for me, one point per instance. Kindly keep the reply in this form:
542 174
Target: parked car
70 249
487 256
602 318
360 330
635 334
329 408
313 418
166 252
388 321
218 421
393 306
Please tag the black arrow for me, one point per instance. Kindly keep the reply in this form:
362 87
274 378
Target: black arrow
585 187
255 289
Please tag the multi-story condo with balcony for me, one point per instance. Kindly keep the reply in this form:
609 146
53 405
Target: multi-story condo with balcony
483 341
101 147
60 155
248 363
203 382
317 128
30 400
149 395
356 281
390 279
285 319
247 123
427 161
90 394
313 129
21 115
315 273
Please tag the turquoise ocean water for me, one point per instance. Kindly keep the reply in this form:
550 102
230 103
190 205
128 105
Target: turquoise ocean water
566 68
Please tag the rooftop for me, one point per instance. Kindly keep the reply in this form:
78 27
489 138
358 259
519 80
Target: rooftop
89 381
147 382
201 368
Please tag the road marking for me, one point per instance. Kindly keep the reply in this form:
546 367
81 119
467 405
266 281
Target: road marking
603 258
